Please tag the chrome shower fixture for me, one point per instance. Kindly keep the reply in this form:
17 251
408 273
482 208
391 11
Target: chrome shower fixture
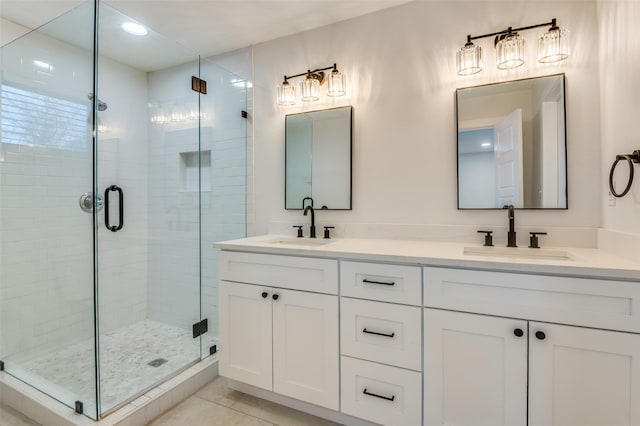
102 106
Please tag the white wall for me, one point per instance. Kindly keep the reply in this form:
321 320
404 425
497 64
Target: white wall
401 82
620 97
619 46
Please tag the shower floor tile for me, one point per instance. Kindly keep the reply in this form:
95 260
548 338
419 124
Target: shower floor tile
125 355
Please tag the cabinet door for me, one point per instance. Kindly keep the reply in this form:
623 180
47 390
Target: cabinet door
245 333
475 370
305 347
580 376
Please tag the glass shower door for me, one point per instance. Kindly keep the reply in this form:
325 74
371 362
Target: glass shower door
46 232
148 234
223 147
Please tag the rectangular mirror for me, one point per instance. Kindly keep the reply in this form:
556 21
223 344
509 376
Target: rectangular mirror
512 144
318 159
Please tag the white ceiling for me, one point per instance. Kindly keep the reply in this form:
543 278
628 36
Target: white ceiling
208 27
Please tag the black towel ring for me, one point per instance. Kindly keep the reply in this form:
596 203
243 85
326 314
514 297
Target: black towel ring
630 159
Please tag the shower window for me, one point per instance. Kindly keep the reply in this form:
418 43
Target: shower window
35 119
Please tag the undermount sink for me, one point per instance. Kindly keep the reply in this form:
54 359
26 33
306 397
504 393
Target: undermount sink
517 252
304 242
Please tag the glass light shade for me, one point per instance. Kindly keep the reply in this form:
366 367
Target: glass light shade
310 88
286 94
469 59
553 45
510 51
336 84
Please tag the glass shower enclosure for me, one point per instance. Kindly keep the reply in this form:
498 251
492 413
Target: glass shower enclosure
116 177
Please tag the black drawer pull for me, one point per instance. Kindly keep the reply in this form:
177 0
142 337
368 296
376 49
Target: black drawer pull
368 281
379 396
364 330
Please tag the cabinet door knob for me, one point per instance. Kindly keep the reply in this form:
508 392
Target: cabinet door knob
540 335
264 294
275 297
518 332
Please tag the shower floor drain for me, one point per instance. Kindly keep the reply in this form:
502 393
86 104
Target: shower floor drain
157 362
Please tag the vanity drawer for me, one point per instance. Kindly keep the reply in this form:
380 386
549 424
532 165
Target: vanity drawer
613 305
381 332
297 273
377 281
380 393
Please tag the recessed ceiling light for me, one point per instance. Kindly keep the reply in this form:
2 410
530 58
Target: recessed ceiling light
485 144
133 28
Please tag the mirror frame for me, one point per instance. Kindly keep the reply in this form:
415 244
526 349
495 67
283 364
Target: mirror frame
566 145
350 157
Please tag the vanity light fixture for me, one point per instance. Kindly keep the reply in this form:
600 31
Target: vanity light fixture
310 86
509 50
336 83
469 58
553 46
286 93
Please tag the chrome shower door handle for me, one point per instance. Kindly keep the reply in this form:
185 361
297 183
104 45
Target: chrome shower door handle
86 202
114 228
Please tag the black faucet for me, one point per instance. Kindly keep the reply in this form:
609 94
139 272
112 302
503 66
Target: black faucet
312 228
305 199
511 235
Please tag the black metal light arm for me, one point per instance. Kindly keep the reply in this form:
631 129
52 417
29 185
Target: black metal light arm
332 67
510 30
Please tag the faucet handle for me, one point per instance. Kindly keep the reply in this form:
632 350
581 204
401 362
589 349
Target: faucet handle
533 239
299 230
488 238
327 230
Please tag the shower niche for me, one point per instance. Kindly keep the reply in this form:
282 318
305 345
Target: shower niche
195 171
111 304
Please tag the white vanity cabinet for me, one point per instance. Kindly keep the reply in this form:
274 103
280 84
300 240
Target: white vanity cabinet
407 344
492 370
475 370
381 342
275 337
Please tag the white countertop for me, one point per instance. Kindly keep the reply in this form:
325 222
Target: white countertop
591 263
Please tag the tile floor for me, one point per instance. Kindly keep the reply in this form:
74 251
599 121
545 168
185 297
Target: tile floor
215 404
10 417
